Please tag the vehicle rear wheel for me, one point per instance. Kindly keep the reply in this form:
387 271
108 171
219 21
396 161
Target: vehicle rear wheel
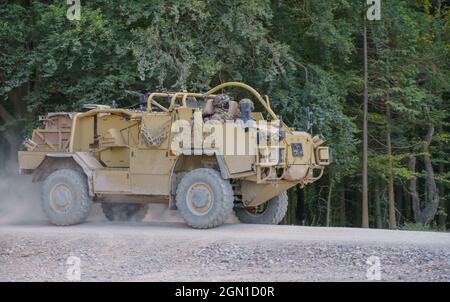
65 197
271 212
204 198
124 211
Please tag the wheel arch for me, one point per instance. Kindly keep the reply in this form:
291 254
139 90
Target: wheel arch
186 163
57 161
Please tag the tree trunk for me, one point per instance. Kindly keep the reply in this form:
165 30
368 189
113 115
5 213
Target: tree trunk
400 205
300 213
407 198
425 215
430 209
415 200
376 196
442 216
391 192
4 114
342 207
10 136
365 190
330 190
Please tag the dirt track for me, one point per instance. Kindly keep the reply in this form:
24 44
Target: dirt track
156 251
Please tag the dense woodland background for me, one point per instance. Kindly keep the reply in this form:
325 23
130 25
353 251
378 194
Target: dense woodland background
303 53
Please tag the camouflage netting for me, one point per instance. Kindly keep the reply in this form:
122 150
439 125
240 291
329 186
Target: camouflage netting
155 136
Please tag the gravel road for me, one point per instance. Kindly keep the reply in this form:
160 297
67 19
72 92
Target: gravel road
162 251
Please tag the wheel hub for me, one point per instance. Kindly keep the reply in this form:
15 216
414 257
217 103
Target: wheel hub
61 197
199 198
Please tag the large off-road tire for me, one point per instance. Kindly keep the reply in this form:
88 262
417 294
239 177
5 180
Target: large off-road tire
65 197
272 212
204 198
124 211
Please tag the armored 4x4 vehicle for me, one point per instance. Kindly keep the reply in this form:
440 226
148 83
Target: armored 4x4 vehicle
203 154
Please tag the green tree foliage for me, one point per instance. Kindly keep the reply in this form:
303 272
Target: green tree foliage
303 53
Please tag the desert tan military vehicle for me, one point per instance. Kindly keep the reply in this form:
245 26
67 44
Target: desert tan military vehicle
126 159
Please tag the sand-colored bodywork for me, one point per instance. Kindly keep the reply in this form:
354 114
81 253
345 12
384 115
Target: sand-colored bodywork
129 153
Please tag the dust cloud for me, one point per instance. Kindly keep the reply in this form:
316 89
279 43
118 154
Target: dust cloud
20 202
162 213
19 197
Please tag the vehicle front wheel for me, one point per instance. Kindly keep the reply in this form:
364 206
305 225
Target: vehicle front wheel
271 212
65 197
204 198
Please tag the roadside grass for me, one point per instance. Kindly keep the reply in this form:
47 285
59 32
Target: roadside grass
409 226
